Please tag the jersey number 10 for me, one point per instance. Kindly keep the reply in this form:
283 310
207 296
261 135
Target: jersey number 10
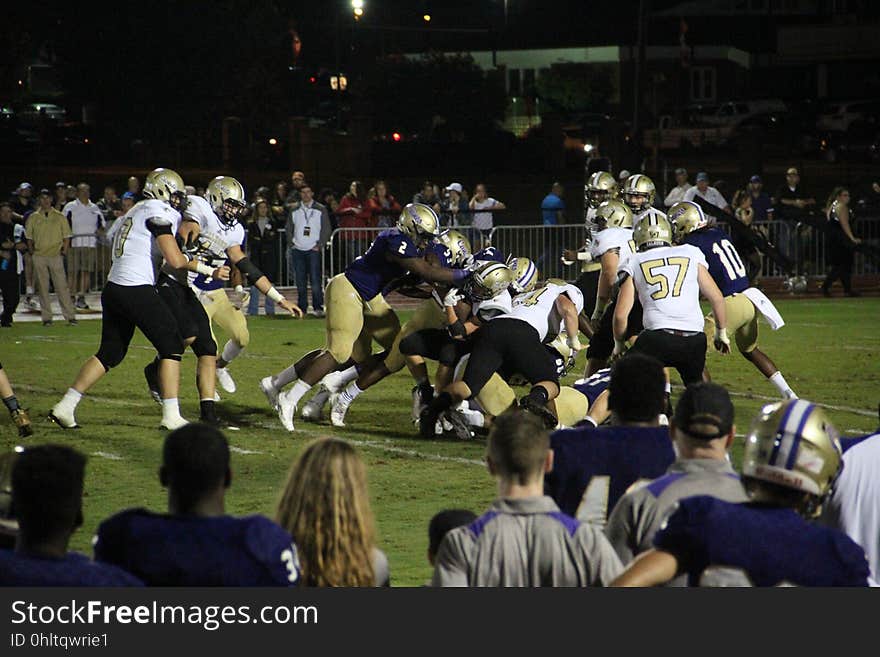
728 256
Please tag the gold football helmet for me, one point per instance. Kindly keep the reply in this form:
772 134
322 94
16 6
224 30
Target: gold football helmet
652 231
525 274
459 246
686 217
600 187
792 446
166 185
419 222
613 214
638 186
227 198
488 281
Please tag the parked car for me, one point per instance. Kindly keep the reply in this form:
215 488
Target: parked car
840 116
777 133
860 142
735 111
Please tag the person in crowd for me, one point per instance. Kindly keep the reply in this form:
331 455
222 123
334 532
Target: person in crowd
22 199
454 208
110 205
841 242
196 543
353 212
47 492
277 202
553 207
60 195
677 193
326 505
791 461
796 205
309 230
744 213
710 195
19 415
441 524
483 221
524 539
127 202
429 196
48 237
762 205
384 206
622 177
133 185
297 180
703 431
70 193
12 245
262 241
86 223
328 198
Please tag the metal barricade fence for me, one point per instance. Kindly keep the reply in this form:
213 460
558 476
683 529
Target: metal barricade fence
543 245
87 266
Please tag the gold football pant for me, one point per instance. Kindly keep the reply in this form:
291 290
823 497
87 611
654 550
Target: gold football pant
222 313
742 322
429 315
352 323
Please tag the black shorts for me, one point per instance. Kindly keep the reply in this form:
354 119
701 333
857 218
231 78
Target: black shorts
126 307
686 353
588 284
188 311
435 344
508 345
602 343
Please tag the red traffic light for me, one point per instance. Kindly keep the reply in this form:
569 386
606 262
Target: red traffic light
313 79
396 136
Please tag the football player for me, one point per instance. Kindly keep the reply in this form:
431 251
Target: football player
791 460
611 247
196 543
516 340
356 311
594 467
130 299
638 193
601 187
742 303
668 281
18 414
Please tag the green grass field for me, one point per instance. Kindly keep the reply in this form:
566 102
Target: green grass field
829 351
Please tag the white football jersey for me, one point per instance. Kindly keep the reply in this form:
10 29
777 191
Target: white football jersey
647 212
492 308
613 238
854 506
132 242
665 279
538 308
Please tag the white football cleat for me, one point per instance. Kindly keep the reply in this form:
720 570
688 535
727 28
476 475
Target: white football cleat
313 411
337 413
286 410
334 382
225 379
173 423
63 416
269 390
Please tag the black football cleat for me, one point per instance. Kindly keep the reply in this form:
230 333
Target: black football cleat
460 426
544 413
151 374
427 422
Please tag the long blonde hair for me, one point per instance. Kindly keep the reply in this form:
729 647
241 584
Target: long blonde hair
326 508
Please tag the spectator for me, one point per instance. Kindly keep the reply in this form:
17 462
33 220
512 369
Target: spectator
297 180
441 524
262 240
60 196
277 203
70 193
326 505
354 213
22 199
841 242
47 491
134 186
702 432
524 540
428 196
762 206
196 543
12 245
48 236
383 205
110 205
128 201
86 223
676 194
328 199
622 177
454 208
715 204
309 230
484 221
795 206
744 213
553 207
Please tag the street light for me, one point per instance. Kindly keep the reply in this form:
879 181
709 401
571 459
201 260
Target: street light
358 7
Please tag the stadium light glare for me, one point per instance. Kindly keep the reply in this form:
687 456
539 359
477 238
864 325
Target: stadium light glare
272 141
426 18
396 136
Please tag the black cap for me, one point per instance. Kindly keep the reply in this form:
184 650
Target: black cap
704 411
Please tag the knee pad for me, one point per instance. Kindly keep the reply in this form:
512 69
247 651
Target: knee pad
110 358
204 346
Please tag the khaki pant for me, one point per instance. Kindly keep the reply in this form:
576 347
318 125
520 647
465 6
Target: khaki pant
352 322
429 315
222 313
742 321
53 266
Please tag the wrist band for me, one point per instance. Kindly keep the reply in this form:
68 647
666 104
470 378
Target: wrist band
239 289
204 269
275 295
585 255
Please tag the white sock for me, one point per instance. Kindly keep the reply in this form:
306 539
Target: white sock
30 290
350 393
299 389
667 388
349 374
170 408
284 377
779 381
474 418
71 398
230 351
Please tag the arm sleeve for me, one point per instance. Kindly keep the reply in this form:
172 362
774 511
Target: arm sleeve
158 226
450 566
